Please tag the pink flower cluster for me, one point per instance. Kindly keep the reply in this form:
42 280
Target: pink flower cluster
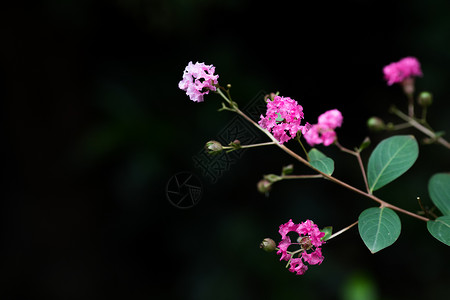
309 241
323 132
399 71
283 116
198 80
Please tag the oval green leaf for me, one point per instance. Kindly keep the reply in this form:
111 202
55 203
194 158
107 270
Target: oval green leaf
320 161
390 159
378 228
439 190
440 229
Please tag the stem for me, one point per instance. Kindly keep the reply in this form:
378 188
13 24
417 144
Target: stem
410 105
342 231
303 147
218 91
425 210
238 111
251 146
295 252
400 126
352 188
419 127
302 176
329 177
358 158
424 114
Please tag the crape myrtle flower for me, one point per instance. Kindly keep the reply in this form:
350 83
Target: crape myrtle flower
323 132
283 118
198 80
309 240
405 68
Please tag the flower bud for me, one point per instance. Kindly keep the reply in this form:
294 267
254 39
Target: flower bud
375 124
264 186
425 99
287 169
236 144
213 147
270 97
268 245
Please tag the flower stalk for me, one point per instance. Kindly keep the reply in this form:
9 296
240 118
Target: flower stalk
358 158
414 123
326 176
249 146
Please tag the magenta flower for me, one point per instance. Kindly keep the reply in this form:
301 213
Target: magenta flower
283 246
297 266
397 72
323 132
309 241
313 258
283 118
198 80
332 118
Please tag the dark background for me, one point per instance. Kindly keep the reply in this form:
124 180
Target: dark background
94 126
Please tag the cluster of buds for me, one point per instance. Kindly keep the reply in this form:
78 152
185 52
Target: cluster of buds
375 124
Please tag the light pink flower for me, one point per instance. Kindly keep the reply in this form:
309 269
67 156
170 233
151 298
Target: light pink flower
283 118
397 72
323 132
198 80
310 241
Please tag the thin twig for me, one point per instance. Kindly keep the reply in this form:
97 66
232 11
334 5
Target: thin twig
360 163
420 127
342 231
302 176
329 177
250 146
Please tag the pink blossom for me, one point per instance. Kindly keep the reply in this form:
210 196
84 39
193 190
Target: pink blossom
283 118
332 118
310 241
198 80
287 227
310 229
397 72
283 246
323 132
297 266
313 258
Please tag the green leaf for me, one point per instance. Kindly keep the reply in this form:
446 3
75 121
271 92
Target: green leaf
439 190
272 178
379 228
440 229
320 161
390 159
328 231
